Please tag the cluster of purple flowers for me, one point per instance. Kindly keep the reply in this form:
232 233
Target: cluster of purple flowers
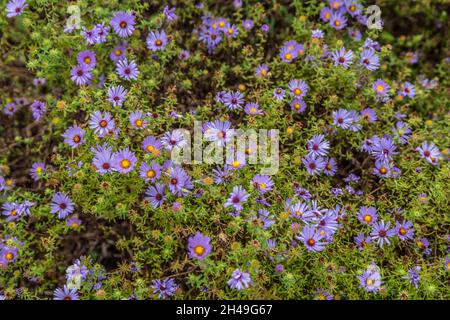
9 251
336 13
316 160
213 30
14 211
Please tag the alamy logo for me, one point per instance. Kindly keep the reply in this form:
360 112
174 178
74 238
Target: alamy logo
227 146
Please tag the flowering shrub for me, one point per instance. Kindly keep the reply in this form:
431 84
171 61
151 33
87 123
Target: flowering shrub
95 204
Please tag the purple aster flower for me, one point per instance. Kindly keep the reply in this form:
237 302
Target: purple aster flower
368 215
157 40
11 211
87 58
219 131
88 35
342 57
338 20
123 24
355 34
401 131
287 55
77 270
221 176
353 7
38 109
404 230
10 109
170 13
252 108
124 160
325 14
336 192
361 240
127 70
101 124
62 205
116 95
301 210
381 232
429 152
37 170
369 59
15 8
382 169
336 4
312 239
65 294
381 88
384 149
413 276
184 54
8 255
233 100
263 219
370 280
262 71
73 223
39 82
408 89
298 105
313 164
424 244
155 195
265 28
150 172
298 88
118 53
239 280
81 75
100 32
152 145
423 197
103 159
278 93
179 179
369 43
74 136
237 197
231 30
262 183
318 146
330 167
137 120
164 288
327 223
199 246
248 24
342 118
369 115
173 139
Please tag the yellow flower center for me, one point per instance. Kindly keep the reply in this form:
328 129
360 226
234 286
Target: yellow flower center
297 91
158 43
74 225
125 163
367 218
369 281
39 171
13 212
253 110
76 139
221 24
327 15
337 23
352 8
335 5
236 164
138 123
264 72
230 31
118 52
150 148
199 250
402 231
150 173
288 56
383 170
87 60
297 106
380 88
9 256
9 182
